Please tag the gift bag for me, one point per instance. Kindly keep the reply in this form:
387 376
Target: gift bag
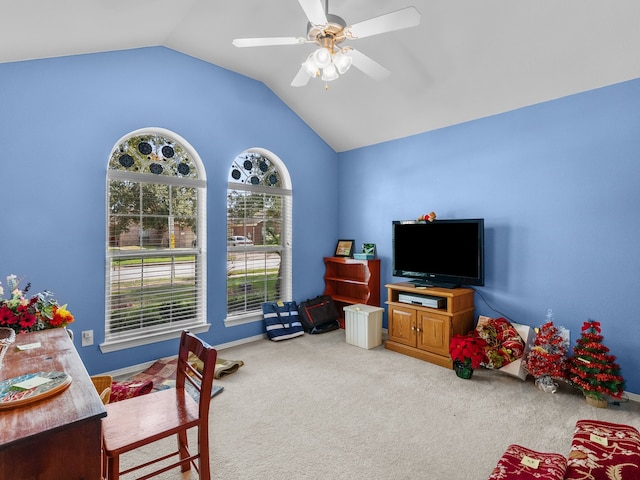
281 320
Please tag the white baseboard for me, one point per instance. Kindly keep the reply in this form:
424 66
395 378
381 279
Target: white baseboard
242 341
128 371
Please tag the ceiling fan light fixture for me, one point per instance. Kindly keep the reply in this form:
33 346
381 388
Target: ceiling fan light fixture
342 61
322 57
311 67
328 32
329 73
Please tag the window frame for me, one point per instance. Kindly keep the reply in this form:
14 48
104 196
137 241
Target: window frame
285 191
144 336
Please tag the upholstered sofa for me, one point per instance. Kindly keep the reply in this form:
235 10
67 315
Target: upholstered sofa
599 451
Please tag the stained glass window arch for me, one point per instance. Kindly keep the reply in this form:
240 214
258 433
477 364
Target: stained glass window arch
255 168
156 239
156 154
259 239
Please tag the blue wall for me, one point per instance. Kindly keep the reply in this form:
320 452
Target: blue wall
558 185
59 119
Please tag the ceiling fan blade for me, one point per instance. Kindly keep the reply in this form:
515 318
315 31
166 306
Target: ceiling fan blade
264 42
368 65
314 11
301 78
405 18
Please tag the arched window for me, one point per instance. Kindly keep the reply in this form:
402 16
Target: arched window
156 240
259 205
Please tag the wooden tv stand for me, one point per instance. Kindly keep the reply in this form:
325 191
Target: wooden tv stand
424 332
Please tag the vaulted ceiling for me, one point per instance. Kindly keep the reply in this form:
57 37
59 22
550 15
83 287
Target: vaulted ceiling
466 60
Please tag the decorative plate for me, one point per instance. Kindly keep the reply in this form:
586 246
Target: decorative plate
12 396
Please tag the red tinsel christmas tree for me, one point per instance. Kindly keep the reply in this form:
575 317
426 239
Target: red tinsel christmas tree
592 369
548 353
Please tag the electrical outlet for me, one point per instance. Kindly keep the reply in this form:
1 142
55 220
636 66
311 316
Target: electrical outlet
87 338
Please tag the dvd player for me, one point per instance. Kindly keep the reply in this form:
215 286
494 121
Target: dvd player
422 300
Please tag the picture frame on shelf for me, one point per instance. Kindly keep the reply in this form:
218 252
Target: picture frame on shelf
344 248
368 252
369 249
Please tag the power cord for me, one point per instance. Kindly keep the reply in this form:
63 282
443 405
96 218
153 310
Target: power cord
489 305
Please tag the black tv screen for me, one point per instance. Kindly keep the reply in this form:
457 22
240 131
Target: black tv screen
443 253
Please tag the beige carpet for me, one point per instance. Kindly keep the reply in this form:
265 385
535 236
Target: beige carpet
315 407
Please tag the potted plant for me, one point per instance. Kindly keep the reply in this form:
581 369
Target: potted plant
467 353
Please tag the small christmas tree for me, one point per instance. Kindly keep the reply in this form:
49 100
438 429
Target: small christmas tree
592 369
547 358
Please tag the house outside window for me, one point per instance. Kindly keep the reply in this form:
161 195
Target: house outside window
259 208
156 240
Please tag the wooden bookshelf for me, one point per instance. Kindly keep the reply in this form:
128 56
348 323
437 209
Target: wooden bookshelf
349 281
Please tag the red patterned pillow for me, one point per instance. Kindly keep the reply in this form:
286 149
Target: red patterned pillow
520 463
604 451
123 390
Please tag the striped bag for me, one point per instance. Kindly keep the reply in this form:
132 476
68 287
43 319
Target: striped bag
281 320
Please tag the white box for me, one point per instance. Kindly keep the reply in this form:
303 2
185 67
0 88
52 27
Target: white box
363 325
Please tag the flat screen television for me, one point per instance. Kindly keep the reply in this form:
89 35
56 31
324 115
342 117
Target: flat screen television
443 253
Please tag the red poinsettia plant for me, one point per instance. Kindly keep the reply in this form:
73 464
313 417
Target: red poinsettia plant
468 348
28 314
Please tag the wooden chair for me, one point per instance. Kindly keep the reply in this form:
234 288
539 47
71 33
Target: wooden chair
103 386
139 421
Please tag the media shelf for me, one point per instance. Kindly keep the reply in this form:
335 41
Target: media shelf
424 332
349 281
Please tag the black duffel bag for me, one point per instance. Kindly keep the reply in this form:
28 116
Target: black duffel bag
318 315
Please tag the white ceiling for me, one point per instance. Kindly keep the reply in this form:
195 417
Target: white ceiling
467 59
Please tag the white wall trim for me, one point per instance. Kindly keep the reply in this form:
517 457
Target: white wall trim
127 371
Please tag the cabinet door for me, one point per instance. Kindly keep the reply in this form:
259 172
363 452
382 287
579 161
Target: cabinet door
433 333
402 325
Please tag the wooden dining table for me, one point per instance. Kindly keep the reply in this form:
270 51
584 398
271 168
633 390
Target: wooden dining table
57 436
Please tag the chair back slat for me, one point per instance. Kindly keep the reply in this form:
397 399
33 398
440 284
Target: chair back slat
135 422
202 381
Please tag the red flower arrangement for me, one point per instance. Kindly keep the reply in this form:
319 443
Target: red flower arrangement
39 312
468 348
592 369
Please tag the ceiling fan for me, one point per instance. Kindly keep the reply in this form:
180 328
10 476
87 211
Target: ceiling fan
329 31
